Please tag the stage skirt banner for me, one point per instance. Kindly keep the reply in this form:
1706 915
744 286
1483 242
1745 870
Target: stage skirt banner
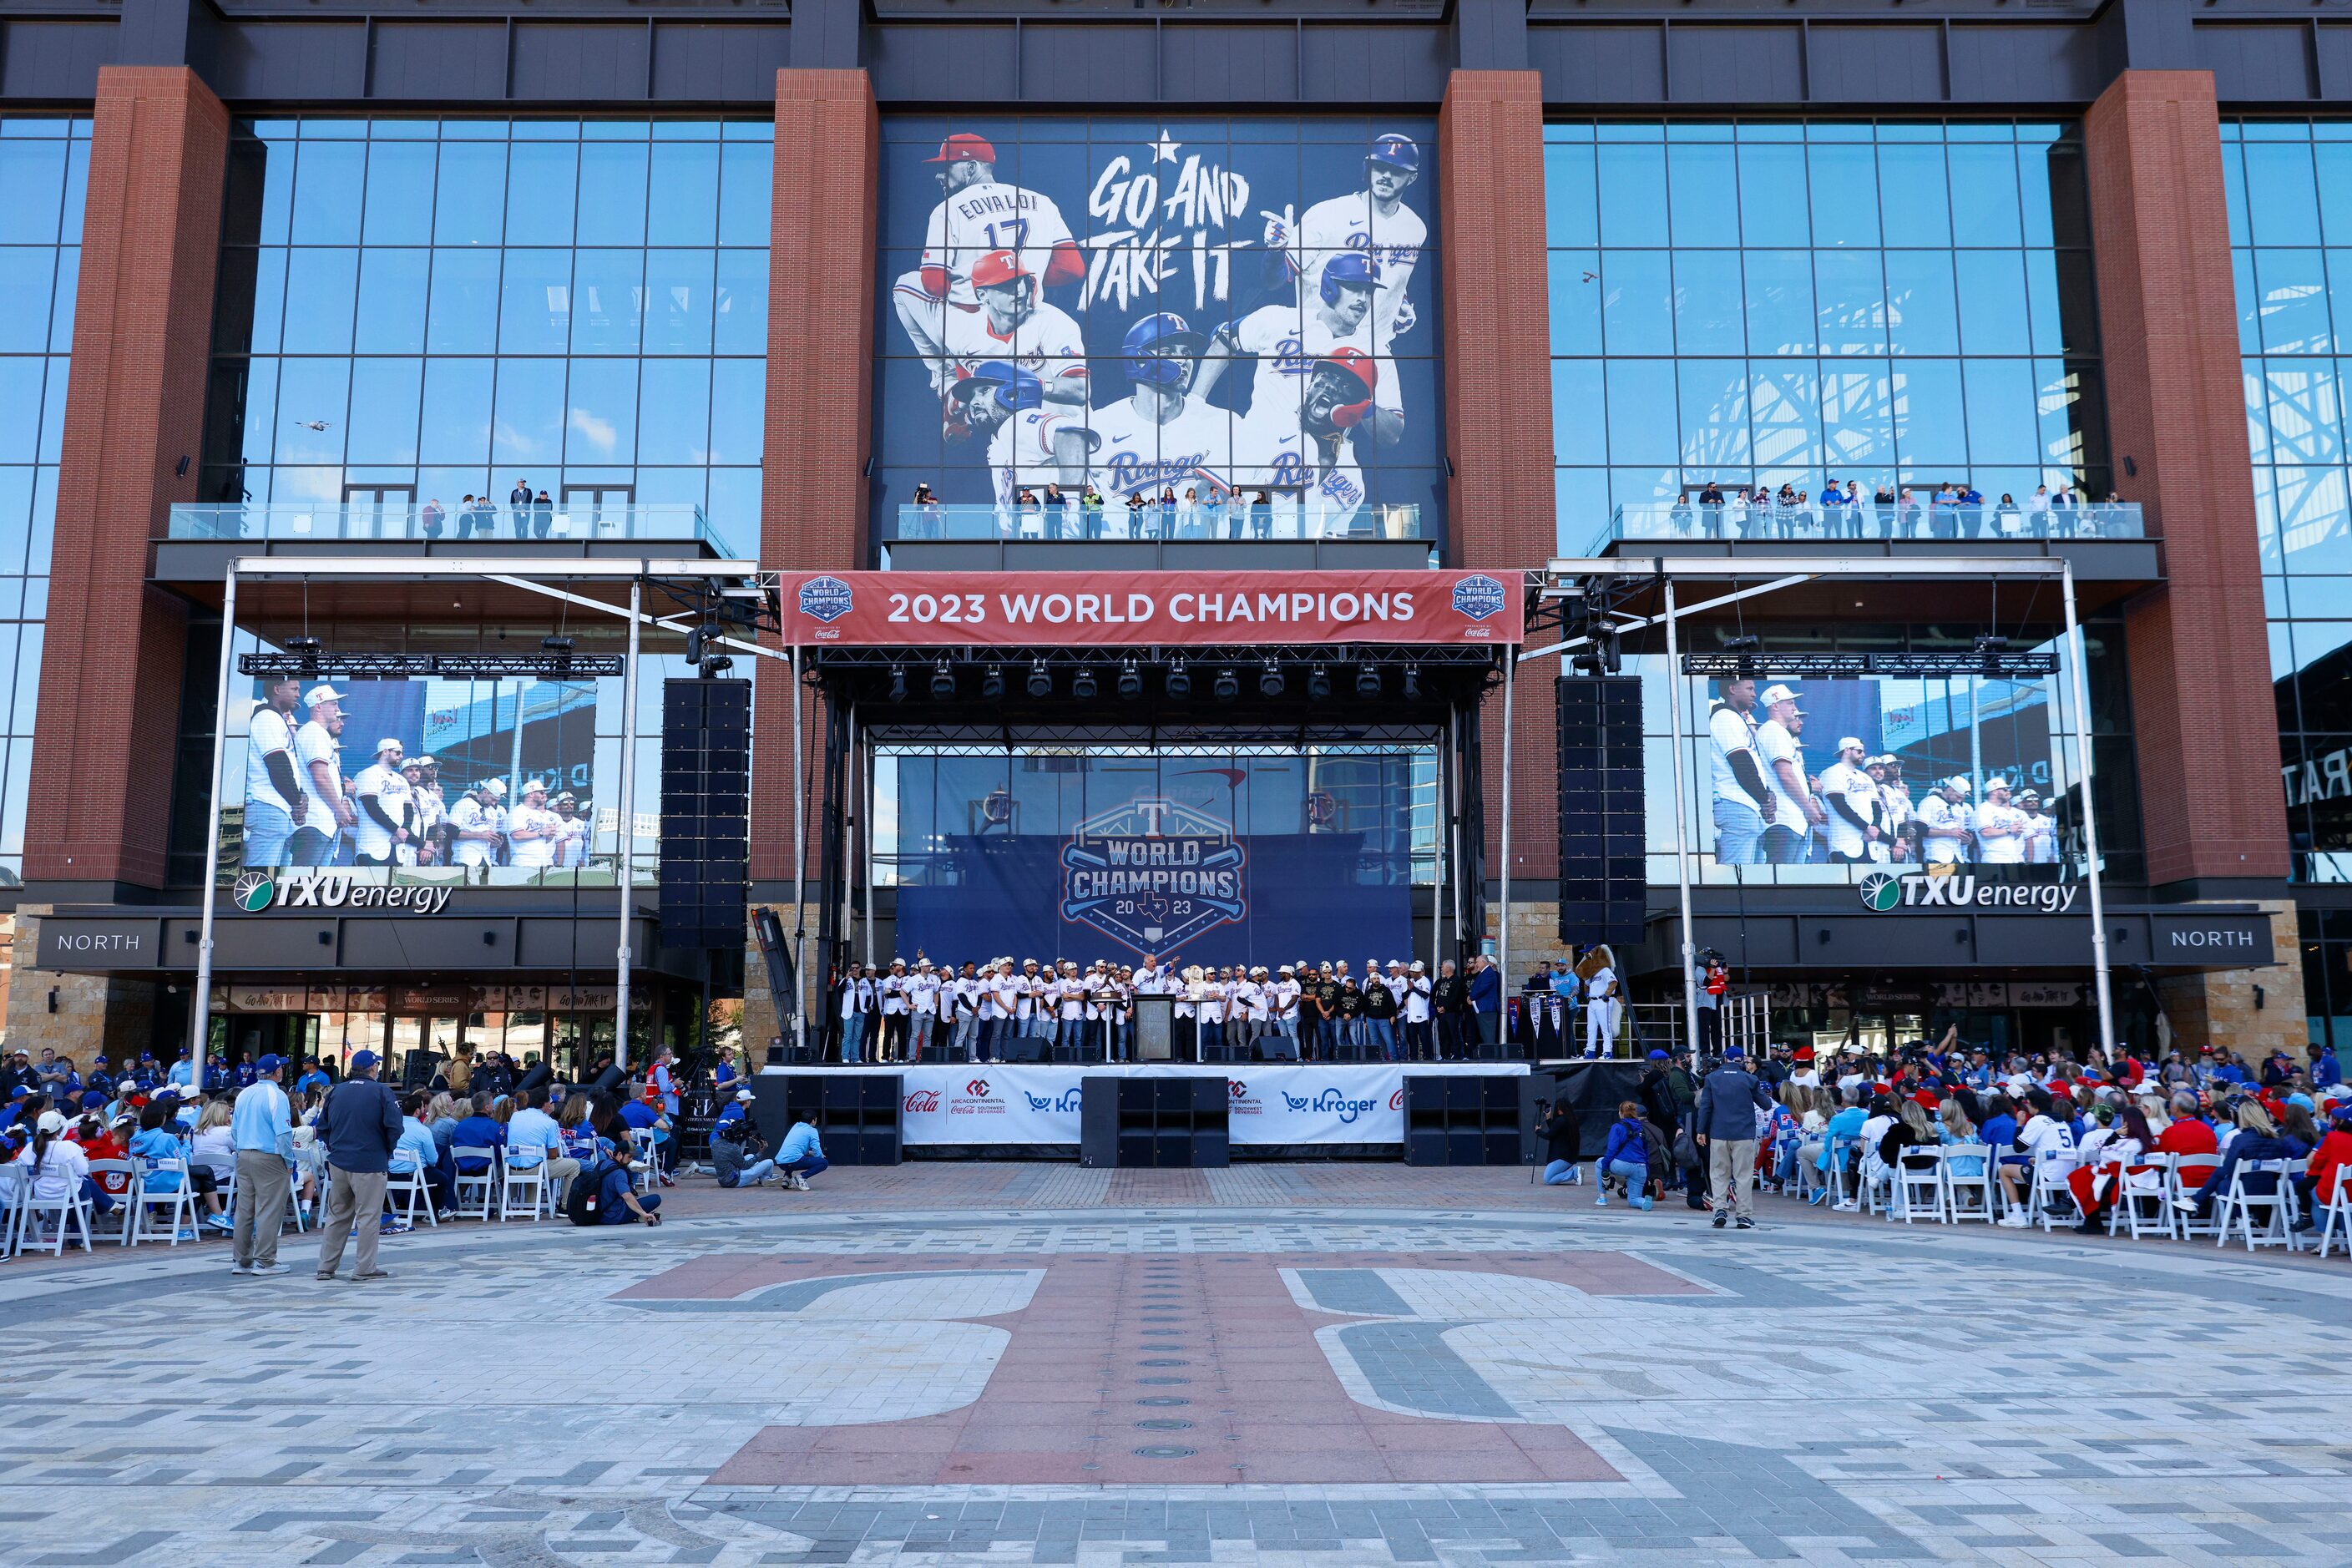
1168 609
1003 1102
1157 876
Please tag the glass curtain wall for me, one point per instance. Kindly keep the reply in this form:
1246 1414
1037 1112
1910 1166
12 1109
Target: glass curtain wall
1898 303
413 311
44 168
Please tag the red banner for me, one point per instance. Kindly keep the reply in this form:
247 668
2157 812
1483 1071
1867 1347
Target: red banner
1130 609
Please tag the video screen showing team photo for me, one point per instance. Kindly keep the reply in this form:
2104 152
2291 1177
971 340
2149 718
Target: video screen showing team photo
1192 327
1880 771
451 779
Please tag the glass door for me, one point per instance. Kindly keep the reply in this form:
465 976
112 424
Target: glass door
377 512
598 511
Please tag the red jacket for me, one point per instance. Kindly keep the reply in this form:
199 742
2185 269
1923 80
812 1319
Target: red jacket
2328 1162
2187 1136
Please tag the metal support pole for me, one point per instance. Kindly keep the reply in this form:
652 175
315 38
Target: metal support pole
1682 831
1502 939
800 874
624 830
2090 821
866 833
1436 866
200 1026
849 790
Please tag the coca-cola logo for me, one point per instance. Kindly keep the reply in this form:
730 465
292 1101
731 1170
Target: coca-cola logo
1396 1101
922 1103
977 1088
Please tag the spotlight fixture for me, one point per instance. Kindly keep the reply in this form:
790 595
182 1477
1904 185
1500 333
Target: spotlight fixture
991 685
1368 680
1269 681
1228 687
305 647
1990 649
559 647
897 684
1747 666
1412 683
1180 682
1082 685
1131 681
1752 643
942 680
1319 683
1041 684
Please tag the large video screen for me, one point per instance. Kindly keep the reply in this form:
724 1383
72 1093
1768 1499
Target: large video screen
471 776
1201 308
1879 770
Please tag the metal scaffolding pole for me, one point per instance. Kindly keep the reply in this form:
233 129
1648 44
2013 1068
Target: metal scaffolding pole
200 1026
1502 939
624 830
2090 820
1682 831
800 874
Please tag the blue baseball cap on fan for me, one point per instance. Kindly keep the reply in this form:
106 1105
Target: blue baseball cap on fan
363 1061
268 1064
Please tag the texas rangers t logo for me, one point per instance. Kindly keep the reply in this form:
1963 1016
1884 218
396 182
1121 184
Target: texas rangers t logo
1152 874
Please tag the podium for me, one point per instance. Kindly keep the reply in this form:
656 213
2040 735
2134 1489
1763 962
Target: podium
1155 1028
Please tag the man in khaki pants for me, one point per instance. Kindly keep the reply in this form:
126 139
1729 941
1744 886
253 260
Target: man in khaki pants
360 1126
261 1131
1723 1122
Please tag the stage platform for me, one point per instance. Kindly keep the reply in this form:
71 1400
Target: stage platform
1287 1104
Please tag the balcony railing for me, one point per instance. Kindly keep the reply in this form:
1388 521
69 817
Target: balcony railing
1285 518
314 521
1917 521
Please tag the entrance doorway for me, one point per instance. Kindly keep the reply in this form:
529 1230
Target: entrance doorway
378 511
599 512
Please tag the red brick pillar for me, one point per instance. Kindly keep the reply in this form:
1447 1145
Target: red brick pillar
2202 712
820 267
99 808
1499 501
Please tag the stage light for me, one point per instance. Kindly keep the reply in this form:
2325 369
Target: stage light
1990 649
1269 683
1179 683
1368 680
942 680
897 684
991 685
1040 683
1082 686
1412 683
1318 684
1131 681
1228 687
1752 643
305 647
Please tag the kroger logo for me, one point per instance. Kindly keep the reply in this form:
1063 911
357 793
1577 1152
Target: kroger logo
977 1088
1067 1102
1329 1102
828 599
1478 596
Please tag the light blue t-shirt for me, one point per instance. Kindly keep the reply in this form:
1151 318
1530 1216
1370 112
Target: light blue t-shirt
415 1148
532 1136
154 1143
799 1144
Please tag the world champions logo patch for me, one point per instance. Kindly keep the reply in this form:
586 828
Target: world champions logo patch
1477 597
826 599
1153 874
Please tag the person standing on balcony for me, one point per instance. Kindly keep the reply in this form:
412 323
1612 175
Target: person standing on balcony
518 506
429 520
543 515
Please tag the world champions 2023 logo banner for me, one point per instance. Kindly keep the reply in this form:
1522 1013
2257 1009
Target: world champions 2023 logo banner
1193 303
1153 874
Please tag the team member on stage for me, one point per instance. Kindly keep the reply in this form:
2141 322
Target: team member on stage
1419 1042
923 1004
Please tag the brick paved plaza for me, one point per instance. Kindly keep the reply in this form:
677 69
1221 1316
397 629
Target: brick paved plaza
1267 1364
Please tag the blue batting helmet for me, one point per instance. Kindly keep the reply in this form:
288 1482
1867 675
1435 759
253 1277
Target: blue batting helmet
1156 348
1011 388
1396 150
1348 270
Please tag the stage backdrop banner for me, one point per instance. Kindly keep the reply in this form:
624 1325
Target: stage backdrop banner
1127 609
1001 1102
1159 876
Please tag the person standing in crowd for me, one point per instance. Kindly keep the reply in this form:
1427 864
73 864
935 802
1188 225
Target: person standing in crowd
1380 1016
1794 809
362 1126
1418 1043
1856 820
519 507
1449 1000
274 801
923 1006
1725 1129
2001 826
318 753
261 1132
1714 981
2041 831
386 808
1486 1001
1900 812
1943 823
1742 794
896 1012
854 999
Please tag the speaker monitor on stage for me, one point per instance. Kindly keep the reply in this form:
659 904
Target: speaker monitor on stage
1603 883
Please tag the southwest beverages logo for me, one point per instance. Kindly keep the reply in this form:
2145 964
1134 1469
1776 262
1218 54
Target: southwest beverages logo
255 891
1152 874
1884 891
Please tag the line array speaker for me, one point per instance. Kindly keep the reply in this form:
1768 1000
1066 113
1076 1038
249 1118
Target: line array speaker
705 804
1602 878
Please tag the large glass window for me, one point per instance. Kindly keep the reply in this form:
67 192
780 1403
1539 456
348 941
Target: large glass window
44 168
1762 303
416 310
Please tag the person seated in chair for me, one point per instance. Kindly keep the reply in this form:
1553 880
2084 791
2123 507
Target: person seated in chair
2257 1139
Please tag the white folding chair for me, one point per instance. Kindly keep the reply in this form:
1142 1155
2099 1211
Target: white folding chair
2238 1206
2142 1204
127 1169
293 1200
179 1204
1918 1185
408 1195
2190 1172
2052 1201
1968 1196
482 1183
12 1190
1877 1179
2338 1208
72 1212
525 1185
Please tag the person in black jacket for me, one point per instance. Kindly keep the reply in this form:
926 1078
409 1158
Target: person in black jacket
1449 1000
361 1127
1563 1140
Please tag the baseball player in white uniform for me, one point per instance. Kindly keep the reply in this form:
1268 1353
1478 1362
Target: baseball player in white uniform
1373 223
1897 795
1289 341
923 997
425 800
979 215
533 830
1794 809
1017 327
273 794
2001 826
1944 822
318 754
2041 830
1313 455
1006 404
386 810
1160 434
1856 824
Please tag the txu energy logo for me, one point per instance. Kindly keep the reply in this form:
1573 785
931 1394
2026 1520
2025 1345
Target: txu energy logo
1885 890
1881 891
257 890
253 891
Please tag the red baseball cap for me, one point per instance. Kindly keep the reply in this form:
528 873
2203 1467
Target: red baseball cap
997 267
963 144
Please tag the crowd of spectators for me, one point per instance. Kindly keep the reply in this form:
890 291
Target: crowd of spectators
1952 509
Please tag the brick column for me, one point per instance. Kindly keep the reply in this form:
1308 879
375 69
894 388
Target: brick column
1499 502
2199 657
822 259
99 808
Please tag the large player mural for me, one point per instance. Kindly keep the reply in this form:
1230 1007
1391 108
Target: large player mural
1235 317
